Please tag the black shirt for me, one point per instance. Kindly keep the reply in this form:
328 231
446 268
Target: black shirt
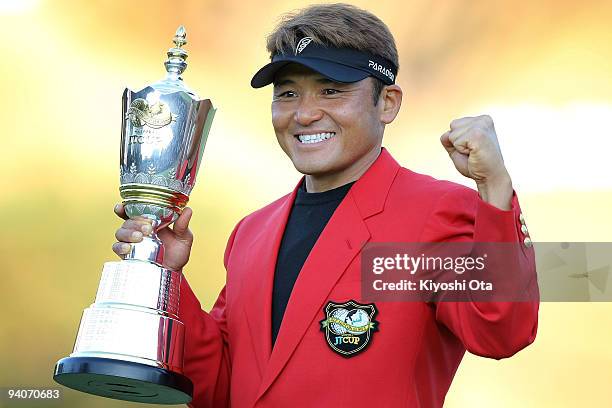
309 215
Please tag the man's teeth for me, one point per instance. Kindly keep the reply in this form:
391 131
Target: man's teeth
319 137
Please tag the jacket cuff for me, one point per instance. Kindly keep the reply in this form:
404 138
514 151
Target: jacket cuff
493 224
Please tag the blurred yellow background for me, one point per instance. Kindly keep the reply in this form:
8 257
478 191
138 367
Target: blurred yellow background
540 69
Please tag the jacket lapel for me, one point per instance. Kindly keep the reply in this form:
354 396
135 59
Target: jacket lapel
257 291
339 243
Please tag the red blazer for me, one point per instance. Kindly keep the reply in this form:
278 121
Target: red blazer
414 355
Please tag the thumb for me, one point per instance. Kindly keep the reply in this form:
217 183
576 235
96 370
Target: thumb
181 225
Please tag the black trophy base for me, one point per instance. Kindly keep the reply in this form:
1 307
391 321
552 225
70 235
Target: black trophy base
123 380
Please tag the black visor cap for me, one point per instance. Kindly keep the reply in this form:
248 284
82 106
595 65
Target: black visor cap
337 64
331 70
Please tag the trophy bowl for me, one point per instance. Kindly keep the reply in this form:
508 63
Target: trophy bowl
130 340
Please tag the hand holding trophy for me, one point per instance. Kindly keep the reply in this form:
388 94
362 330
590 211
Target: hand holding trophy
130 340
177 240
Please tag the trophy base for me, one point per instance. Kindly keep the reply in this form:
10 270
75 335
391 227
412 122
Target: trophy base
123 380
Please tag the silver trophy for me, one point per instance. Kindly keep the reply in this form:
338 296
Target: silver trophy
130 341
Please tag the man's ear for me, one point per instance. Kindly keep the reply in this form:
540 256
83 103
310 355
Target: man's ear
390 101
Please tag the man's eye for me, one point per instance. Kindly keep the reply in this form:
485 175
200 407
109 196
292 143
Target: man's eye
330 91
286 94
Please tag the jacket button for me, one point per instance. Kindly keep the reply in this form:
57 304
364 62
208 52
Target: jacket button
524 229
522 218
527 242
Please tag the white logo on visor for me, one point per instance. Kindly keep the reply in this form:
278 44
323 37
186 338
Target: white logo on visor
302 44
382 69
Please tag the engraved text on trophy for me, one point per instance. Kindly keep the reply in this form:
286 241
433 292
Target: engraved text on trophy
150 119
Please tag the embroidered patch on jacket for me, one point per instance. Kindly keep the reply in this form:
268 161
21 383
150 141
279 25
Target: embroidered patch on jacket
349 326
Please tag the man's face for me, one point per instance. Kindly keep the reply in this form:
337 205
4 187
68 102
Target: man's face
325 127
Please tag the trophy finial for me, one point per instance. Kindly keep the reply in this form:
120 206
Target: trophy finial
180 37
176 64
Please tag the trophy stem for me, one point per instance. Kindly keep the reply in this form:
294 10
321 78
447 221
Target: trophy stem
151 250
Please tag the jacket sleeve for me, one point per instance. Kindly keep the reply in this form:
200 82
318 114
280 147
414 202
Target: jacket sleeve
206 358
489 329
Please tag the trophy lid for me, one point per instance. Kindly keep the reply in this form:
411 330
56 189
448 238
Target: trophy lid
175 66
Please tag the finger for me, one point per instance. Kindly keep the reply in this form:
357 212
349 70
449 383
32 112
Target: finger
141 224
121 248
445 140
461 122
181 225
458 133
136 224
463 143
128 235
120 211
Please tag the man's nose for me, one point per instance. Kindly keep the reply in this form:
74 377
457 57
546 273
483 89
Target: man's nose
307 111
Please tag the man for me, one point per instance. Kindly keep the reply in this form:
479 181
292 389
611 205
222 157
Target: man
294 265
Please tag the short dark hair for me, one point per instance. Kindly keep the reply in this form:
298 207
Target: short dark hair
335 25
377 87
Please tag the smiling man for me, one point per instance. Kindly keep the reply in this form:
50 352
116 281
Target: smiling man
290 327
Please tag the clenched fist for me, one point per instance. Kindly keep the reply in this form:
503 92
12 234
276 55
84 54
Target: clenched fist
472 145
